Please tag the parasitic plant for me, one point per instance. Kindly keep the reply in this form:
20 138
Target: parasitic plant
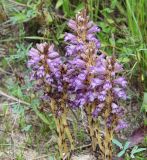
94 83
48 70
87 79
81 53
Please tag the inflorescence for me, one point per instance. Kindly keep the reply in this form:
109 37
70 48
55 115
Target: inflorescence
91 81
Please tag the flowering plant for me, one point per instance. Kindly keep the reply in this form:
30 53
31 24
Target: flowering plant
47 70
85 80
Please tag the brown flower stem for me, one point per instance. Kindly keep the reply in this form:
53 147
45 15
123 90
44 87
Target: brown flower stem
98 136
91 123
66 129
62 145
107 141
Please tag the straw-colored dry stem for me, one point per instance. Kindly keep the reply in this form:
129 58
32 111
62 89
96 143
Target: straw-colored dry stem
105 144
91 124
63 131
62 145
66 129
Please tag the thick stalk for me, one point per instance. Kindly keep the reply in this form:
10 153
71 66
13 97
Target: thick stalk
91 124
99 139
108 136
67 131
62 145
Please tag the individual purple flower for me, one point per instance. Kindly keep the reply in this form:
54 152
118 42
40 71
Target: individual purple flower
98 70
93 29
119 93
91 96
102 96
41 46
114 106
96 82
121 81
70 37
78 84
48 79
78 63
117 67
117 110
53 55
72 24
107 85
82 76
40 72
98 109
121 125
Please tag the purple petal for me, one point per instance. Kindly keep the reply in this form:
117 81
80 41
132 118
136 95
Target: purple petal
121 81
72 24
93 29
53 55
96 82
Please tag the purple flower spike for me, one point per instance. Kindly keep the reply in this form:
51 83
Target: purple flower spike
92 78
46 66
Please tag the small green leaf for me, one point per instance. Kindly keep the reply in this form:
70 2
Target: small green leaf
51 158
42 116
18 109
136 150
27 128
124 60
5 107
59 4
140 150
113 4
49 17
66 7
110 21
144 107
116 142
79 8
112 41
144 103
145 98
121 153
126 146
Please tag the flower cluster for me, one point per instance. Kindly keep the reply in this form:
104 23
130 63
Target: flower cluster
92 79
111 91
86 80
110 83
85 32
48 69
46 65
81 54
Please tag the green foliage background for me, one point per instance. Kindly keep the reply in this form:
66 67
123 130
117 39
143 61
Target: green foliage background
26 22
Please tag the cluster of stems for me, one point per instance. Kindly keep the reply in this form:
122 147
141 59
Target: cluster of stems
87 79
